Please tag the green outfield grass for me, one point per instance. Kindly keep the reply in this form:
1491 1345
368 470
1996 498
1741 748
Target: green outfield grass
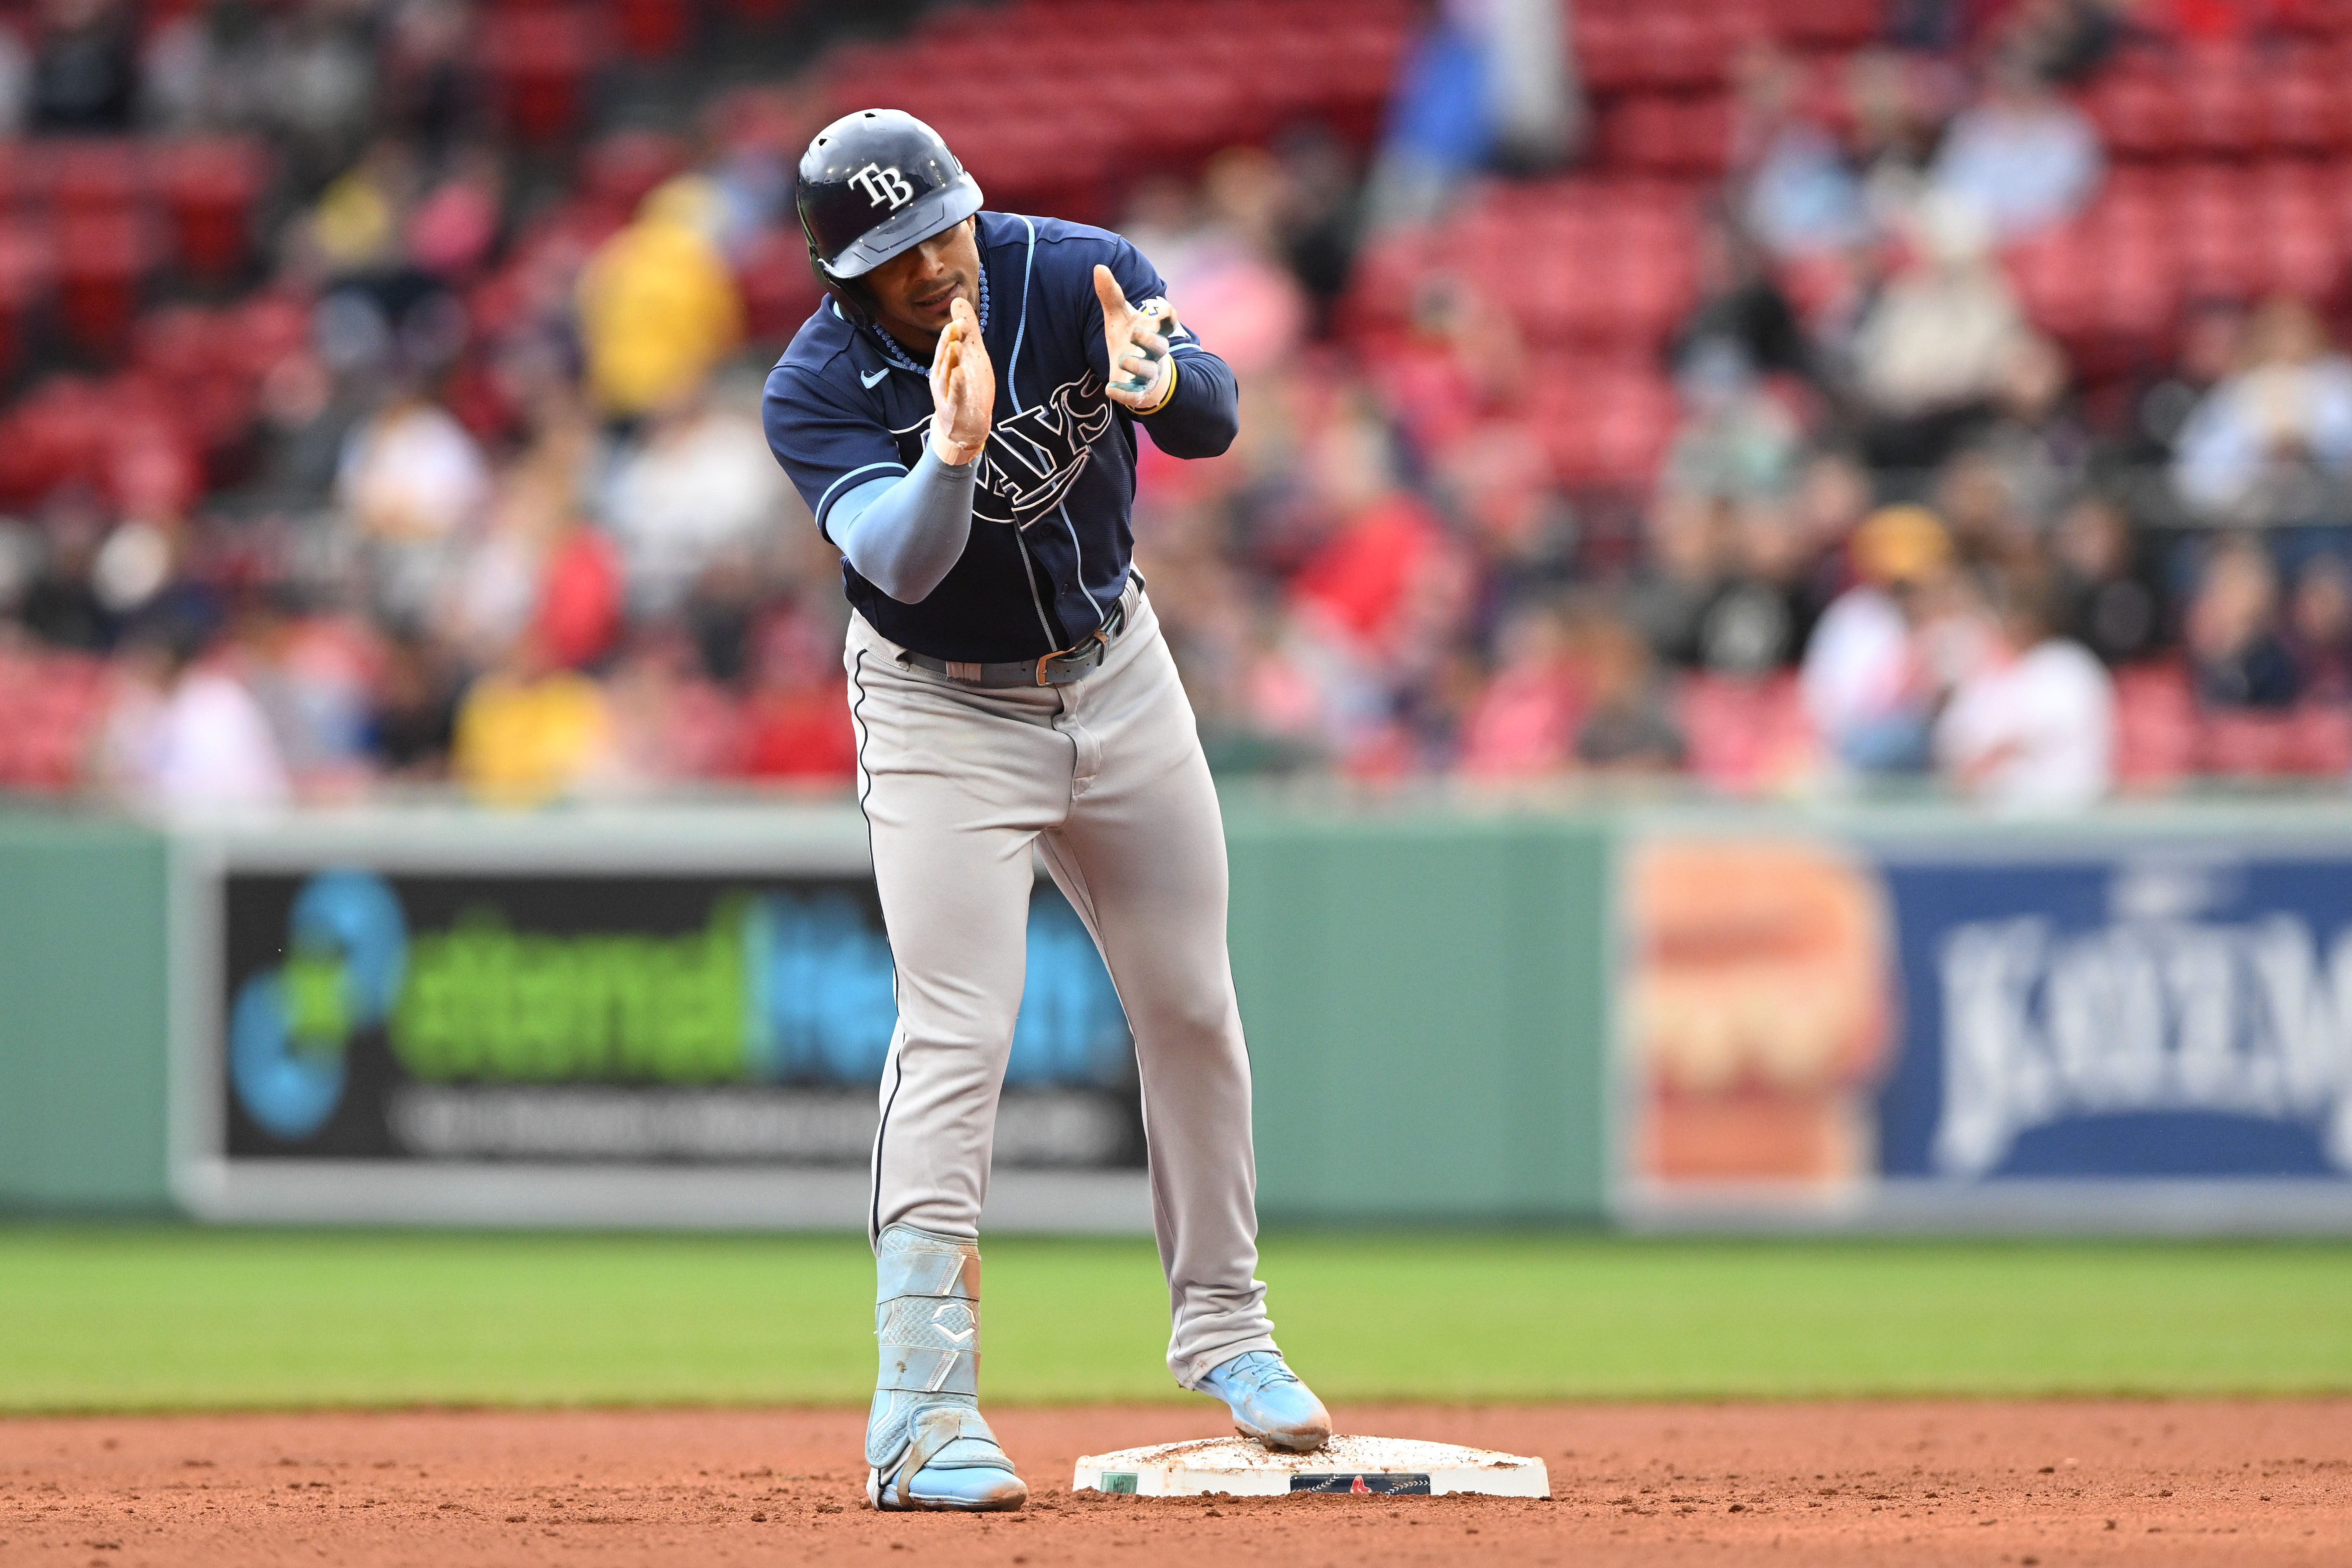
106 1319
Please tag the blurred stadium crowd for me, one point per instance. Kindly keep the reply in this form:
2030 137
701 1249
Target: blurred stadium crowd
1817 395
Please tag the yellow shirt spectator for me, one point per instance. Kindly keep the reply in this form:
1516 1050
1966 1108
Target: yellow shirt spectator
658 306
523 739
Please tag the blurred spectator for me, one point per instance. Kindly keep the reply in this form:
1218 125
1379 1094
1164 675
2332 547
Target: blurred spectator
1740 311
16 83
1972 494
61 607
85 68
450 230
1869 683
1386 579
671 723
1739 439
2022 156
2319 631
1459 357
1524 723
1898 105
1222 267
1496 484
1930 351
1763 614
2032 726
414 485
2212 336
1797 194
1490 77
413 721
658 306
2062 40
1688 556
185 733
1321 215
1629 725
2106 601
2273 443
532 731
796 723
698 486
2236 651
311 676
2037 439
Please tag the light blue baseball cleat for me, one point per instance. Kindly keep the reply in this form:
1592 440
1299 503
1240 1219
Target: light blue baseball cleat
927 1445
1269 1402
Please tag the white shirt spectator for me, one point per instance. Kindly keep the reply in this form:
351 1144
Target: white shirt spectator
2024 161
206 745
2034 732
702 485
414 473
1858 668
2228 446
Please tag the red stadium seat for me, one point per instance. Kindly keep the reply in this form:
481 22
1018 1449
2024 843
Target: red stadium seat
2156 724
92 175
2306 109
778 291
2319 742
102 257
2219 102
2245 744
1830 23
1746 735
209 186
1657 134
652 29
537 62
620 170
28 275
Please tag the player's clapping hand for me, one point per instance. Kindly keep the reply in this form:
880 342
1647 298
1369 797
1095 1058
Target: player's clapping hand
963 389
1139 365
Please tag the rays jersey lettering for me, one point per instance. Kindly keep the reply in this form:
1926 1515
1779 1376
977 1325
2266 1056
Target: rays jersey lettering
1033 458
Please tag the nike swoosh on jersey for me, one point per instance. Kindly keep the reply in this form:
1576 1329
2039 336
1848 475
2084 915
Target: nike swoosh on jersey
872 381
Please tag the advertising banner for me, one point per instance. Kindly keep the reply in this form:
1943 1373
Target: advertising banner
517 1044
2136 1031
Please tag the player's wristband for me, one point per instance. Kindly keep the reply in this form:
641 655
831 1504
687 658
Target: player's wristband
1167 394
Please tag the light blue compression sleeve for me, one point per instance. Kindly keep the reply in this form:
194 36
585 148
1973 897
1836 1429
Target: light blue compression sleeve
905 535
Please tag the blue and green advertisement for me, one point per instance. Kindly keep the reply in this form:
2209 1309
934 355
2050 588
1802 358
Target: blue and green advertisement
578 1017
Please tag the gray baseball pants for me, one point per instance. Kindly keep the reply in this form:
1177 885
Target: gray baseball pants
1106 777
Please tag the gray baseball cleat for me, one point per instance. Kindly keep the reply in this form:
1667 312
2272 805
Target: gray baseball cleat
927 1445
1269 1402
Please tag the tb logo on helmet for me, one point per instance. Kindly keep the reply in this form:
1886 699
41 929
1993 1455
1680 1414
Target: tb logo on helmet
881 185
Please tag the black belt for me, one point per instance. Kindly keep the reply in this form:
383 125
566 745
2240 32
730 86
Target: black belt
1067 667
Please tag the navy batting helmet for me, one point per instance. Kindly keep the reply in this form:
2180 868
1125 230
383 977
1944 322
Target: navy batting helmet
873 184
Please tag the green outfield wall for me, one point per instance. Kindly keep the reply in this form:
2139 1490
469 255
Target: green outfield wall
1426 1001
84 1016
1424 993
1895 1016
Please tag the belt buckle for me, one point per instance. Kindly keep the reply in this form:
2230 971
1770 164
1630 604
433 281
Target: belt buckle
1097 645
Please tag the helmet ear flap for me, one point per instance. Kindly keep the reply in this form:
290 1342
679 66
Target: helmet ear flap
846 292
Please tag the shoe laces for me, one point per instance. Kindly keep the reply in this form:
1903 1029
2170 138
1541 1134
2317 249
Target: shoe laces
1261 1369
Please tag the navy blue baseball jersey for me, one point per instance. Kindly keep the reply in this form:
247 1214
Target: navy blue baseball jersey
1050 542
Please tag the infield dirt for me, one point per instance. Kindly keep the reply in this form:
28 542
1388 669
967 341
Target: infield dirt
1922 1484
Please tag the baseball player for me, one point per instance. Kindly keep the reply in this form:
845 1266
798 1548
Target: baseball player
960 415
